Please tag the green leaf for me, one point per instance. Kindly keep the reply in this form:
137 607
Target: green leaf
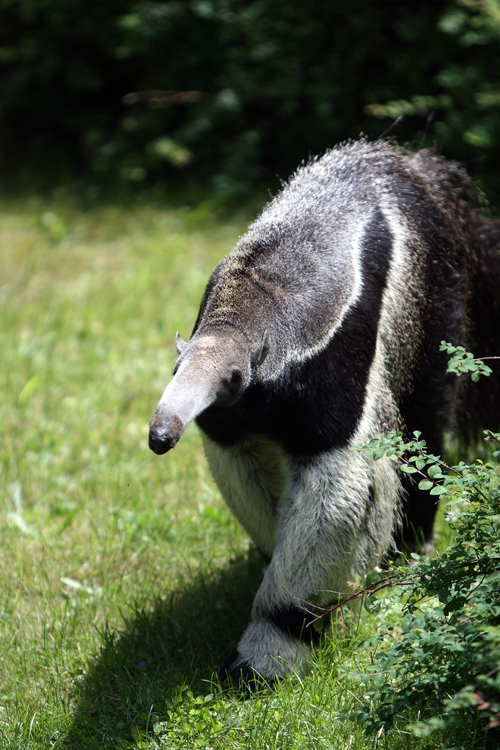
439 490
362 717
408 469
435 472
425 484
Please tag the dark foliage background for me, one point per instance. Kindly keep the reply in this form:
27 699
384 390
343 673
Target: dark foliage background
259 85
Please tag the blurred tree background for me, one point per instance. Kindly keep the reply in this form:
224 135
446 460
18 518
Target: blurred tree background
232 93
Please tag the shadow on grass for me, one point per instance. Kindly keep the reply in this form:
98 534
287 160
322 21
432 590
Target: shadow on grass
176 645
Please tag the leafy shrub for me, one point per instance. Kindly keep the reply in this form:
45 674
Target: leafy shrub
463 95
441 658
231 92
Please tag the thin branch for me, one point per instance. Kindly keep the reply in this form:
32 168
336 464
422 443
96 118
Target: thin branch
391 580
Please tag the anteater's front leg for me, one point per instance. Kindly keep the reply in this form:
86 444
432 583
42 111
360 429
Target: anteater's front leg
329 530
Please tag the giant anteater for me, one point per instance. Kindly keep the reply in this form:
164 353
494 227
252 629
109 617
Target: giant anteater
319 330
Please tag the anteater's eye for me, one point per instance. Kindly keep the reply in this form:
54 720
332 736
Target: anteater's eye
236 377
232 383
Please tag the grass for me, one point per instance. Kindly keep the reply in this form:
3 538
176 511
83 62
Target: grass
124 580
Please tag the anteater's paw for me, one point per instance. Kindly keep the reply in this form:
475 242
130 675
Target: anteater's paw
264 656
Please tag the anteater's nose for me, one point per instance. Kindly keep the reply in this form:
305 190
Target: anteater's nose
159 442
164 434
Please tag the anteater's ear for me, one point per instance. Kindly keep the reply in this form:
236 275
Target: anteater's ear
180 345
263 351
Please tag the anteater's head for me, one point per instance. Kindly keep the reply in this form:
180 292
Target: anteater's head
213 369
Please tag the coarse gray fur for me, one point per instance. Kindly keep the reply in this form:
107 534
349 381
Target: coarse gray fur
318 331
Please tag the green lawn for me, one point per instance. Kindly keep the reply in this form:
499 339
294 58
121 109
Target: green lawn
123 578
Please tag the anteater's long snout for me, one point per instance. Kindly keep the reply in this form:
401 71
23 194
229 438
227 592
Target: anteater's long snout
213 370
189 393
